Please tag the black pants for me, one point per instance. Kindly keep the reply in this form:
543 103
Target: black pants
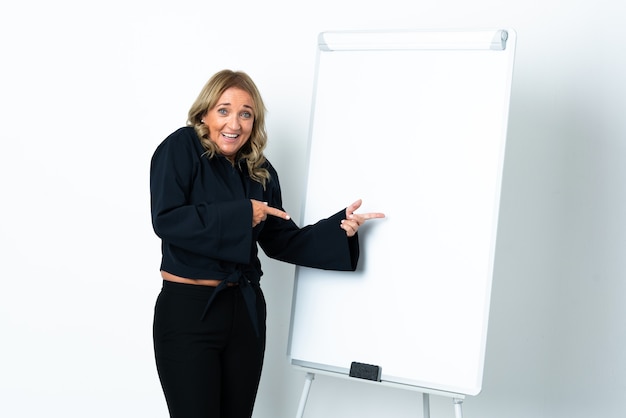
208 368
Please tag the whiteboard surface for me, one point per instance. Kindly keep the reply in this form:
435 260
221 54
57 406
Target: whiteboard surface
419 135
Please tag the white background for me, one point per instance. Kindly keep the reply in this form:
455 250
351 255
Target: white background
87 91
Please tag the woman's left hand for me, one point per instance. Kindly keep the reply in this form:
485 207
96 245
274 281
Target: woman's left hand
353 220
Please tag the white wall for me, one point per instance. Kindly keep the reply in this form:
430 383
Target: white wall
87 91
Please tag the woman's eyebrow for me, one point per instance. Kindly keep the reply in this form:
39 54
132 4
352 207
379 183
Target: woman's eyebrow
229 104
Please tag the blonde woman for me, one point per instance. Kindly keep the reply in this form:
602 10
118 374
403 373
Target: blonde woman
214 197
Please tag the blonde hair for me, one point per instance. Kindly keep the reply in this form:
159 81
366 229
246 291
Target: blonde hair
252 151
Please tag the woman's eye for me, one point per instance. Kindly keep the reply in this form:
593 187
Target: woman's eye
246 115
222 111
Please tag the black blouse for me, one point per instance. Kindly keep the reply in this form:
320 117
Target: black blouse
202 212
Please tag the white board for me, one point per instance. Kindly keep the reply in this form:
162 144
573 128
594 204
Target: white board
414 123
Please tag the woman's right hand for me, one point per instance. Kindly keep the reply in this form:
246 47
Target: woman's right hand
260 211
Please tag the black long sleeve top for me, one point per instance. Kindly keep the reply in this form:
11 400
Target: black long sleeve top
202 212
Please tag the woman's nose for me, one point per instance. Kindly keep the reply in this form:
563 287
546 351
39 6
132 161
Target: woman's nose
233 122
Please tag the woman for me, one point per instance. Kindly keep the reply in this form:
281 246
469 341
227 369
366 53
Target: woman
214 196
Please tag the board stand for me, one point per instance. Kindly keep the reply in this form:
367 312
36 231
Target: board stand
308 380
310 376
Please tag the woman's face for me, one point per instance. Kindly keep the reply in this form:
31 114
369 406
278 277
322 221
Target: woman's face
230 121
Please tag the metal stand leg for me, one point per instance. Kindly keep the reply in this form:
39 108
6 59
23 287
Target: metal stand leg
426 404
458 408
305 394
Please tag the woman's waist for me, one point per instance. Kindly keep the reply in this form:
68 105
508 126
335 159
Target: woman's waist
199 282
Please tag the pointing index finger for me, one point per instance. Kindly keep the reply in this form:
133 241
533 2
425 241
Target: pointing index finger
372 215
278 213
